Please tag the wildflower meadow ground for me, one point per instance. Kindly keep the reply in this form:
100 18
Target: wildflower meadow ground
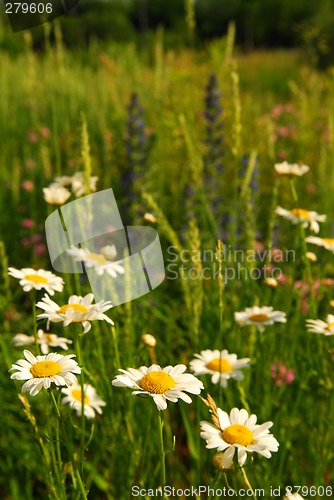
219 382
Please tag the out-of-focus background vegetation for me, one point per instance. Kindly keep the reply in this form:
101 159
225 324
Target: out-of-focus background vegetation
260 23
200 120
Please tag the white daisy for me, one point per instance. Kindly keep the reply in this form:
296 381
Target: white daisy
32 279
41 371
220 364
286 168
302 216
98 261
162 384
45 340
319 326
78 183
56 194
259 316
327 243
238 432
77 310
92 402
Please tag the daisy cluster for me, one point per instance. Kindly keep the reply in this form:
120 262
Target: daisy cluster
49 368
234 434
60 190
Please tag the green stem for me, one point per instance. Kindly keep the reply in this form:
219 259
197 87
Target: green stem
162 452
305 260
247 483
214 486
69 449
35 321
82 383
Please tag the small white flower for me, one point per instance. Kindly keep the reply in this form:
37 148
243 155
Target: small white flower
238 432
319 326
98 261
92 402
77 182
259 316
41 371
162 384
302 216
31 279
77 310
56 194
327 243
220 364
286 168
45 340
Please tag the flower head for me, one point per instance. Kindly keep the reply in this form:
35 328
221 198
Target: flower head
302 216
327 243
45 340
238 432
31 279
56 194
220 364
41 371
294 169
77 182
259 316
319 326
162 384
92 402
99 261
77 310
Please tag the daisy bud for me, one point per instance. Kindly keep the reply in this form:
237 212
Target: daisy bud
311 256
148 340
271 282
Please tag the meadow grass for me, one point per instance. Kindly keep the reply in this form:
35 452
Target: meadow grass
274 107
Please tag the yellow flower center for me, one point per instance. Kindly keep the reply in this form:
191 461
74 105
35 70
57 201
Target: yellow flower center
219 365
238 434
330 241
329 327
35 278
43 369
97 257
259 318
48 337
75 307
76 393
157 382
301 213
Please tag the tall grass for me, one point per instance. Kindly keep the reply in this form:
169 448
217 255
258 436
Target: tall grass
274 108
